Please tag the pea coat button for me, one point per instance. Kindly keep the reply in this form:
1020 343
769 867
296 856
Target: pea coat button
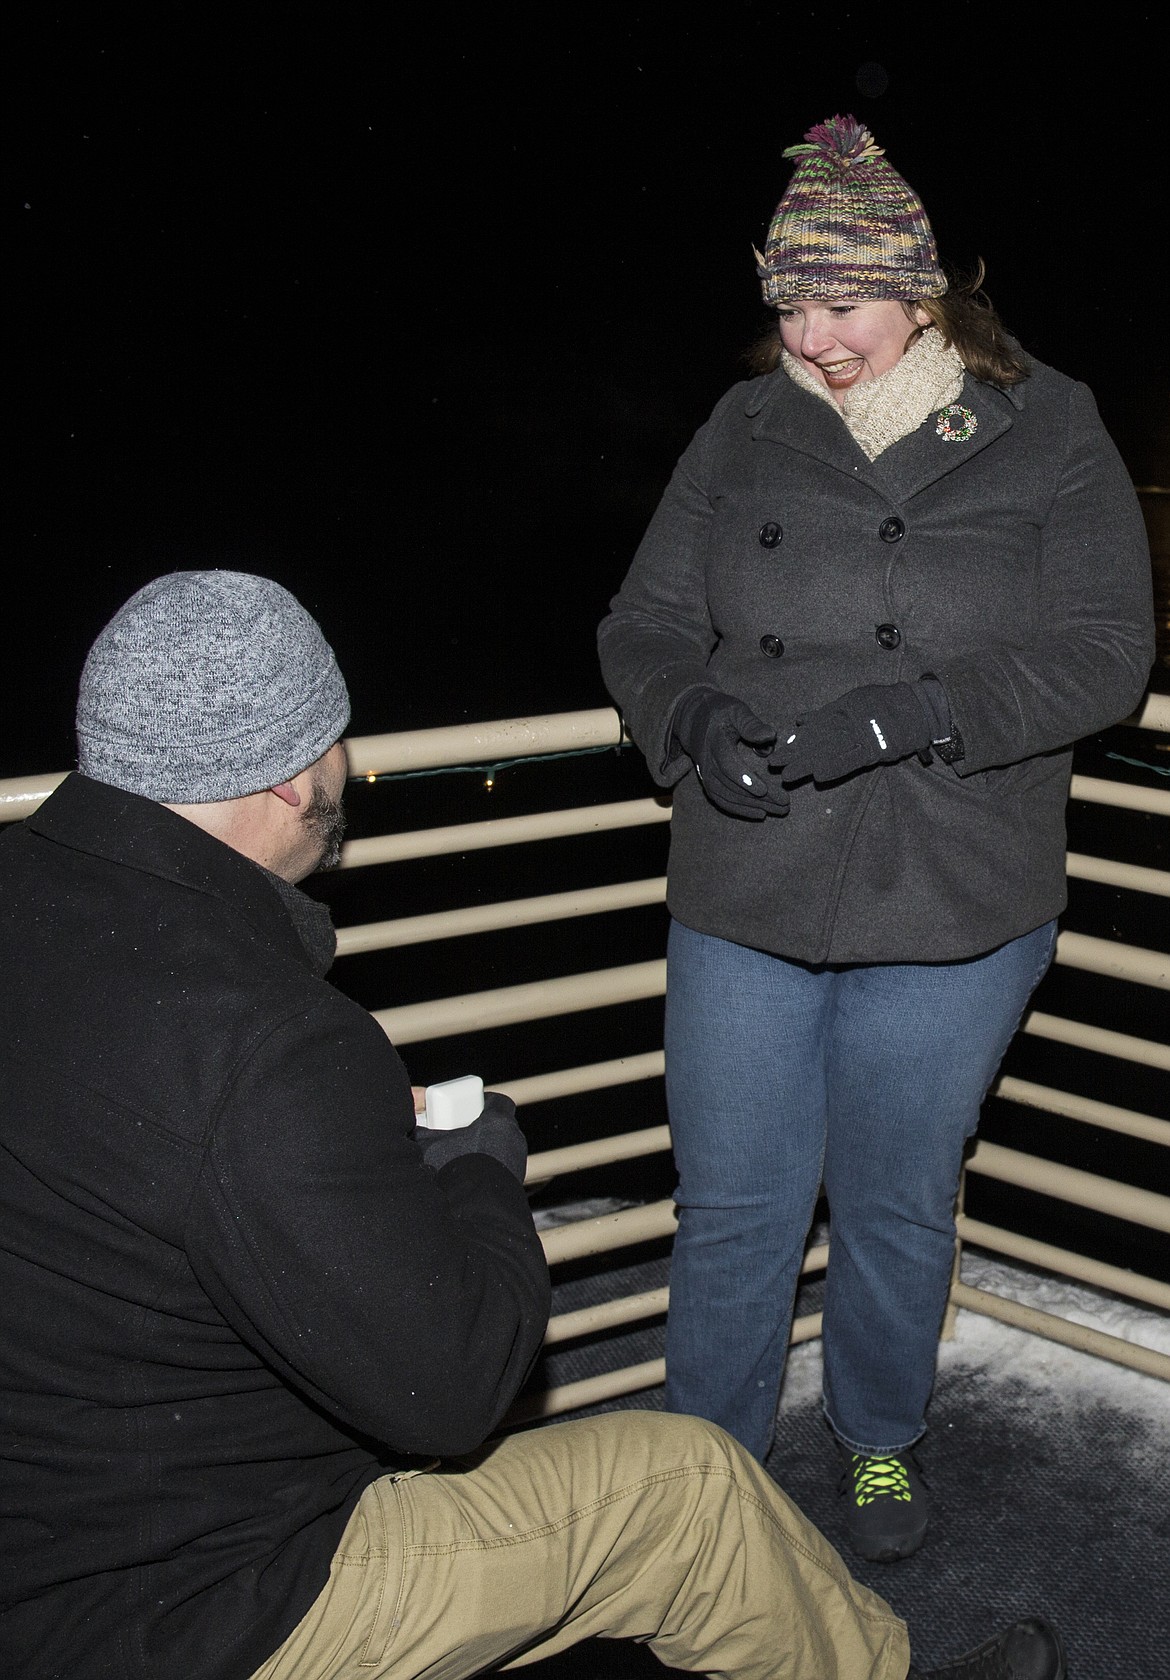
891 530
888 636
770 534
772 646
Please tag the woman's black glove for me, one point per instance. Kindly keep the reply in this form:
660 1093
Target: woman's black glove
495 1132
728 745
877 724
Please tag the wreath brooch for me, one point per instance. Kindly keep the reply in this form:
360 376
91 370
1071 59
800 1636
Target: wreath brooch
955 424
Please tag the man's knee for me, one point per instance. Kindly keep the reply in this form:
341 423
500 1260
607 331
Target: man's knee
677 1438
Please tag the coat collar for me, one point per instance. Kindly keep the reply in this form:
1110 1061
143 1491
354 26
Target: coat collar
782 413
139 834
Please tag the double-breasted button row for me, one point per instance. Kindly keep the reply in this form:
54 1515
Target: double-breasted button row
772 646
888 636
890 530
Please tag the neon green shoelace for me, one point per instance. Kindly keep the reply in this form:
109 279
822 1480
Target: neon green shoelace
879 1478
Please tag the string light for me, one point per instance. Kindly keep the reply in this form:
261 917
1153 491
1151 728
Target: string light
1141 763
490 772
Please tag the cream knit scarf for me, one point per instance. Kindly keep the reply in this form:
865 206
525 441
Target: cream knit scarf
878 413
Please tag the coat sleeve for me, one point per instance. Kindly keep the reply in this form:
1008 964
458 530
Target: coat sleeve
1089 661
407 1303
657 639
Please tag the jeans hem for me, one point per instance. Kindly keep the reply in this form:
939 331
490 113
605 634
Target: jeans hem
843 1440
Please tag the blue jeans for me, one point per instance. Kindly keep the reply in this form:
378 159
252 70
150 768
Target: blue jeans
868 1079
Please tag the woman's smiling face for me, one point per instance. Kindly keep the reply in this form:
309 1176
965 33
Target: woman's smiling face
846 343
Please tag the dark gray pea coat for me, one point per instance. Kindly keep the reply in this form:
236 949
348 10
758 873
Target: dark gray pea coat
784 567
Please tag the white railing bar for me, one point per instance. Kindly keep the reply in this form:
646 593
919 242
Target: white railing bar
20 795
626 1309
1072 1107
598 988
593 1076
1125 796
651 1064
549 732
609 1385
1063 1260
1119 962
622 1228
625 895
650 1303
607 1231
1133 876
534 1001
588 1391
501 831
510 913
483 743
598 1152
503 738
1124 1046
625 1146
1070 1184
1153 713
1056 1329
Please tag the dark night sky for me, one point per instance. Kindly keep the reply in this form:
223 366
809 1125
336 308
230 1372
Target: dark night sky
416 315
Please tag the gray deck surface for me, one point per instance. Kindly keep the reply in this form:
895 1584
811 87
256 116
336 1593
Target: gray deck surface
1049 1500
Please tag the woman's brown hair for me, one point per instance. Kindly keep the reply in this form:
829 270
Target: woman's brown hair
966 318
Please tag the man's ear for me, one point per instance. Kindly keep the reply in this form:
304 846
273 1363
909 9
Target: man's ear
286 791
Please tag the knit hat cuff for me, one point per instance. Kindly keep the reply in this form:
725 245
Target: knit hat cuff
860 283
194 771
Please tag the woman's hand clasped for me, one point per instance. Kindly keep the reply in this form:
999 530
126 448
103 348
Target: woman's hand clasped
728 745
880 723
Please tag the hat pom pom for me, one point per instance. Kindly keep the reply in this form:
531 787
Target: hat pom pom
842 140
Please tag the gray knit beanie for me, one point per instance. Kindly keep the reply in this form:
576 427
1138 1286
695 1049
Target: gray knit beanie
207 686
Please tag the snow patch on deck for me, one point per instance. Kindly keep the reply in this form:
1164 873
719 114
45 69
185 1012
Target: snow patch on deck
1065 1377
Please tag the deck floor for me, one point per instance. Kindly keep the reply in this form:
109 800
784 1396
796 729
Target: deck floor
1049 1472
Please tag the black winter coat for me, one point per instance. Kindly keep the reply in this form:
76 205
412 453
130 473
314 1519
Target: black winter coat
230 1291
784 567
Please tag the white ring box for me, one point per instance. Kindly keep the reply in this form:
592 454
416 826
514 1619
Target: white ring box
453 1103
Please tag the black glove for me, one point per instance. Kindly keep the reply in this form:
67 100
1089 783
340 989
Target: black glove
495 1132
727 744
878 724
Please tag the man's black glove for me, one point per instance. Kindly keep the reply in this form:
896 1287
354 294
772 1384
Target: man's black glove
878 724
495 1132
728 743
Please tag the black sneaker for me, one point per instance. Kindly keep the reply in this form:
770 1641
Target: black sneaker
887 1505
1029 1650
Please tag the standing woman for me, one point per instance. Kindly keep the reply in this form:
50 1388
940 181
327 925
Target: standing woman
891 581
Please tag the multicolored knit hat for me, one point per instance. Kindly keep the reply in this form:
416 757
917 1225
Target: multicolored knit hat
848 225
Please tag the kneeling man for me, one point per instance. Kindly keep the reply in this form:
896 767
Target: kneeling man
255 1325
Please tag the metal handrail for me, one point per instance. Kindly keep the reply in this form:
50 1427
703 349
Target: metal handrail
509 739
371 756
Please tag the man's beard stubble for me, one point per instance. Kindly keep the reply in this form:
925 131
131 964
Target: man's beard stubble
326 819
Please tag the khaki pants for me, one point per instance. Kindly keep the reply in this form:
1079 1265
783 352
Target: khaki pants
632 1525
